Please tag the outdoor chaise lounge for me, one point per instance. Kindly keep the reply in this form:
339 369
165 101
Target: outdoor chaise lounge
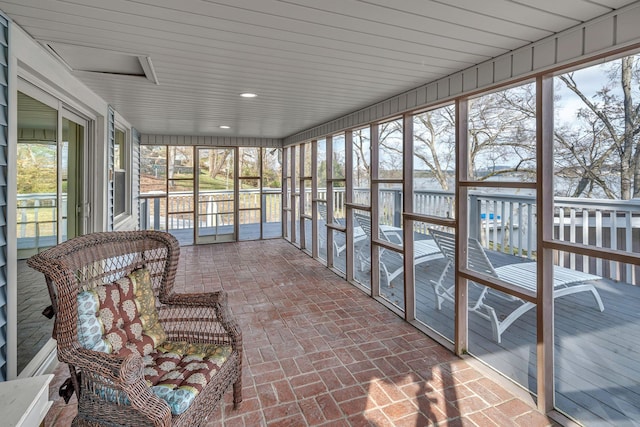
339 244
423 250
359 235
565 281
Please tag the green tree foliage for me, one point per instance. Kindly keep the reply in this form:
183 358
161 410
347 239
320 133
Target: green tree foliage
37 168
272 168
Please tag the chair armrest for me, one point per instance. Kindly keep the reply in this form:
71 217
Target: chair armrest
203 299
109 366
118 380
205 317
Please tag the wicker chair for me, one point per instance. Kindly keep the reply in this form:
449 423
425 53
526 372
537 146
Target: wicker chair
112 389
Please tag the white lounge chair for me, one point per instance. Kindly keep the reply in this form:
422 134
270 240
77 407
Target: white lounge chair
565 281
359 235
423 250
339 245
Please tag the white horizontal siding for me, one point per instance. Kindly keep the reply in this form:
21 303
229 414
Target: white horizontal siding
214 141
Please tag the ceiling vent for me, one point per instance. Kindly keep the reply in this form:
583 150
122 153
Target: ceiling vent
95 60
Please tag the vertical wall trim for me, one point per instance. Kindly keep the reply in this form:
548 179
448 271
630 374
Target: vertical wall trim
111 140
4 173
135 175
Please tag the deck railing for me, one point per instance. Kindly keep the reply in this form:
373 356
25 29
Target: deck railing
503 222
175 212
37 220
609 224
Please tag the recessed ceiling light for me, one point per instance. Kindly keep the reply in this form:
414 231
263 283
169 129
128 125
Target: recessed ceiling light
248 95
225 127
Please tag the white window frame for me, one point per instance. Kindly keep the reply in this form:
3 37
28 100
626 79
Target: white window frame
120 219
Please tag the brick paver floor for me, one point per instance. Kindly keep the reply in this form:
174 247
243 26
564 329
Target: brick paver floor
319 352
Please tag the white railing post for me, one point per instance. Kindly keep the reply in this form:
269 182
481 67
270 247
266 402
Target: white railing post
614 267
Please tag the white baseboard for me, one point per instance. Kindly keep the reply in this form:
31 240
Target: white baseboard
44 362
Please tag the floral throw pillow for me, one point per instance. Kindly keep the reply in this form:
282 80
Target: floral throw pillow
120 317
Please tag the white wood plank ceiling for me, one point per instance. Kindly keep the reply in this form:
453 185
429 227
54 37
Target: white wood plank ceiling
309 61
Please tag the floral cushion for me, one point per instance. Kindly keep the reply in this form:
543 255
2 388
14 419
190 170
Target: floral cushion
90 328
177 372
146 304
121 318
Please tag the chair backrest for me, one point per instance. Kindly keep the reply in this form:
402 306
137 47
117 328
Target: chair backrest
364 221
477 259
322 211
86 262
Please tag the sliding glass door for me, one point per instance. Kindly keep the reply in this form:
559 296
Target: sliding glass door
51 207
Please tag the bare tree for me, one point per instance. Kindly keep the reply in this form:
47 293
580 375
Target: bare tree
603 142
391 149
434 143
272 167
502 137
179 157
217 161
361 156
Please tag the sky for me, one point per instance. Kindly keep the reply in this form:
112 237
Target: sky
589 81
